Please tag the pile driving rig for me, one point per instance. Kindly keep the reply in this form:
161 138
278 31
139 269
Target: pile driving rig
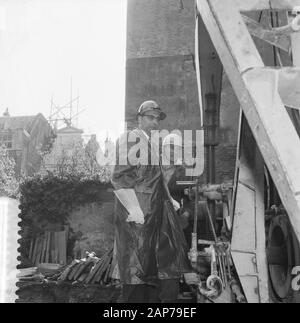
252 251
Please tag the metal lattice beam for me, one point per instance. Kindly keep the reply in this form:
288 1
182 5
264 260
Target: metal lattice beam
271 125
257 90
257 5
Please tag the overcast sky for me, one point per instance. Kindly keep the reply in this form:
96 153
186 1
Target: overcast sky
46 43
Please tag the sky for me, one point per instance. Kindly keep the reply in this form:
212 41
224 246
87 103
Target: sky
48 47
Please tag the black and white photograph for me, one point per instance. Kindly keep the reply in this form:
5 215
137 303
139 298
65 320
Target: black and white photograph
150 154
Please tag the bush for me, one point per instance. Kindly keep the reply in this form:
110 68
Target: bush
8 182
51 198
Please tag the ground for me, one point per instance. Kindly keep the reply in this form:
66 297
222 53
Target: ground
36 292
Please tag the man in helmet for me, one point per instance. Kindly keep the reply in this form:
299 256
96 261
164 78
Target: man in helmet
149 264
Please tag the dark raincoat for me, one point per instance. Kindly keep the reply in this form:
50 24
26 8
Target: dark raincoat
156 249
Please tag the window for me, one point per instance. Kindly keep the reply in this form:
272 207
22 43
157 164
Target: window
6 139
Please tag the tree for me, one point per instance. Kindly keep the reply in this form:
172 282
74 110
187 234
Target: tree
8 182
75 159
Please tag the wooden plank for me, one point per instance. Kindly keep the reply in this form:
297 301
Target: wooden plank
98 276
56 255
270 36
248 243
38 252
78 270
248 275
73 271
63 252
106 276
113 265
31 257
48 247
52 244
86 271
34 251
93 272
102 270
44 242
67 271
270 124
41 250
59 247
245 53
31 249
25 272
47 269
83 266
82 277
62 246
67 229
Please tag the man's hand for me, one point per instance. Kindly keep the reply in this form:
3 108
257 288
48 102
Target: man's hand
129 199
176 205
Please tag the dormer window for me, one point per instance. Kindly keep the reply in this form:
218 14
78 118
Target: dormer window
6 140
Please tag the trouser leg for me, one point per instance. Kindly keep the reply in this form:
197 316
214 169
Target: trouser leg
166 292
139 293
169 290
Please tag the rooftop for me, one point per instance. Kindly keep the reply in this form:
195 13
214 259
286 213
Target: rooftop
69 129
20 122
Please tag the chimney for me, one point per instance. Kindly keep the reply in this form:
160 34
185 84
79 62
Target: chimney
6 113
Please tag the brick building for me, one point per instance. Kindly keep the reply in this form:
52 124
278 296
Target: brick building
161 66
23 137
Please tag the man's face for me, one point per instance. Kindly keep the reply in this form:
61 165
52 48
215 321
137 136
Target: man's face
149 122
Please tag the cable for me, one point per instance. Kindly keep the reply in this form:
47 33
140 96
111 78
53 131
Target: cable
260 16
274 48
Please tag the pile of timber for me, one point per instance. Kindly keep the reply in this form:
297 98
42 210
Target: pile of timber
29 274
49 247
40 272
90 270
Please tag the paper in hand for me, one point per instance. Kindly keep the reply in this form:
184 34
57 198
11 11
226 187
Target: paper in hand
129 200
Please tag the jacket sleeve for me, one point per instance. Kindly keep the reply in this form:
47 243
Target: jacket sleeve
123 176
